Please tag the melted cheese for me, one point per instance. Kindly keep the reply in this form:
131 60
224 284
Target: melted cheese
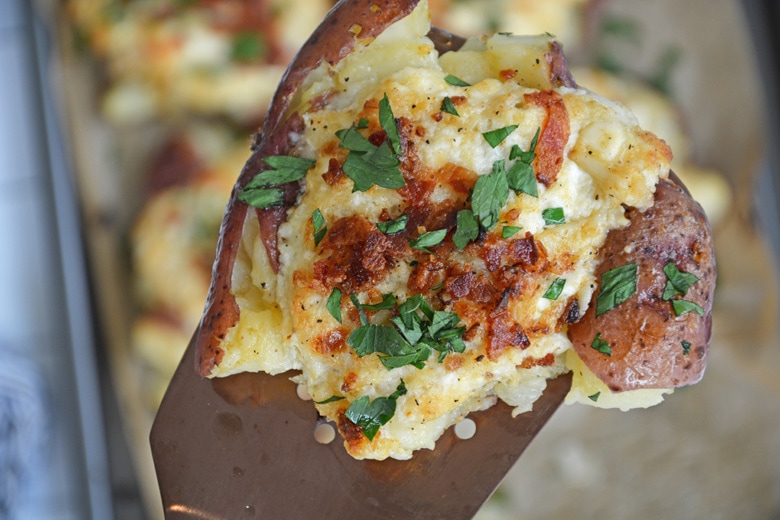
599 159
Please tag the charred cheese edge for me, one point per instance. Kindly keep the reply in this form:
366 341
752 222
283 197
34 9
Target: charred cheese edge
592 158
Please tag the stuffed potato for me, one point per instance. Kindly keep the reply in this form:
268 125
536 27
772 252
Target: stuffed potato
420 234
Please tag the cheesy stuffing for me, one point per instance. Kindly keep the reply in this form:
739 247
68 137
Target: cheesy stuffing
590 159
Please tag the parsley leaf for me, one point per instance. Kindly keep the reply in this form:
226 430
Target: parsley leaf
489 196
387 121
429 239
388 302
681 307
372 415
449 107
527 157
334 304
497 136
553 216
286 169
367 164
509 231
248 46
521 178
686 345
393 226
555 289
595 397
601 345
617 286
331 399
467 228
319 226
678 282
455 81
384 339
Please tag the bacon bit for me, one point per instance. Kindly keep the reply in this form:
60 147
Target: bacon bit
427 274
546 361
460 179
331 341
458 100
460 286
523 251
352 433
507 74
453 362
553 137
503 335
438 116
349 382
335 172
420 131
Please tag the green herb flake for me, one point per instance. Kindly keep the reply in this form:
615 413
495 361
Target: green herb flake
555 289
248 46
385 339
553 216
429 239
331 399
489 196
678 282
467 228
686 346
601 345
455 81
617 286
258 191
681 307
393 226
509 231
521 179
449 107
387 121
334 304
497 136
319 226
368 165
372 415
595 397
262 197
388 302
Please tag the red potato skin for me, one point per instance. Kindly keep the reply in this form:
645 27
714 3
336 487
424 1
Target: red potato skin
333 39
645 336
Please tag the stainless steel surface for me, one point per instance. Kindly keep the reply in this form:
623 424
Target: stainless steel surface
244 447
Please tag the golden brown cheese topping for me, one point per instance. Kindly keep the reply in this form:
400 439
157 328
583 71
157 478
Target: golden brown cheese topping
445 232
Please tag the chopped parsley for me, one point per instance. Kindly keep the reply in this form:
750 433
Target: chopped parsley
334 304
553 216
259 191
429 239
686 346
372 415
509 231
601 345
456 81
677 284
489 196
520 176
681 307
331 399
467 228
393 226
248 46
595 397
449 107
387 122
388 302
319 226
617 286
497 136
555 289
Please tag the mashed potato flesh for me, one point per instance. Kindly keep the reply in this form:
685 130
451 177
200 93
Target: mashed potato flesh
513 287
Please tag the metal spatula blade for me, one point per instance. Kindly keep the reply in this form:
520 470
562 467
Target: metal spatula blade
244 447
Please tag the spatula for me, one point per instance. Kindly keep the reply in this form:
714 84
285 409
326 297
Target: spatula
244 447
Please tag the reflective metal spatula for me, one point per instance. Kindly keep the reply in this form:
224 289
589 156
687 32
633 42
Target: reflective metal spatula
244 447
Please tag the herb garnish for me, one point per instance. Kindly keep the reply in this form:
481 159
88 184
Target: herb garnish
372 415
258 191
601 345
686 345
429 239
617 286
467 228
555 289
497 136
553 216
455 81
368 164
489 196
393 226
595 397
509 231
334 304
331 399
678 283
449 107
520 176
319 226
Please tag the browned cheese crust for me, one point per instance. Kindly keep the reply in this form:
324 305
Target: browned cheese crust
650 346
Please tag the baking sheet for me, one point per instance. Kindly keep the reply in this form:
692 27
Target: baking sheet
717 439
